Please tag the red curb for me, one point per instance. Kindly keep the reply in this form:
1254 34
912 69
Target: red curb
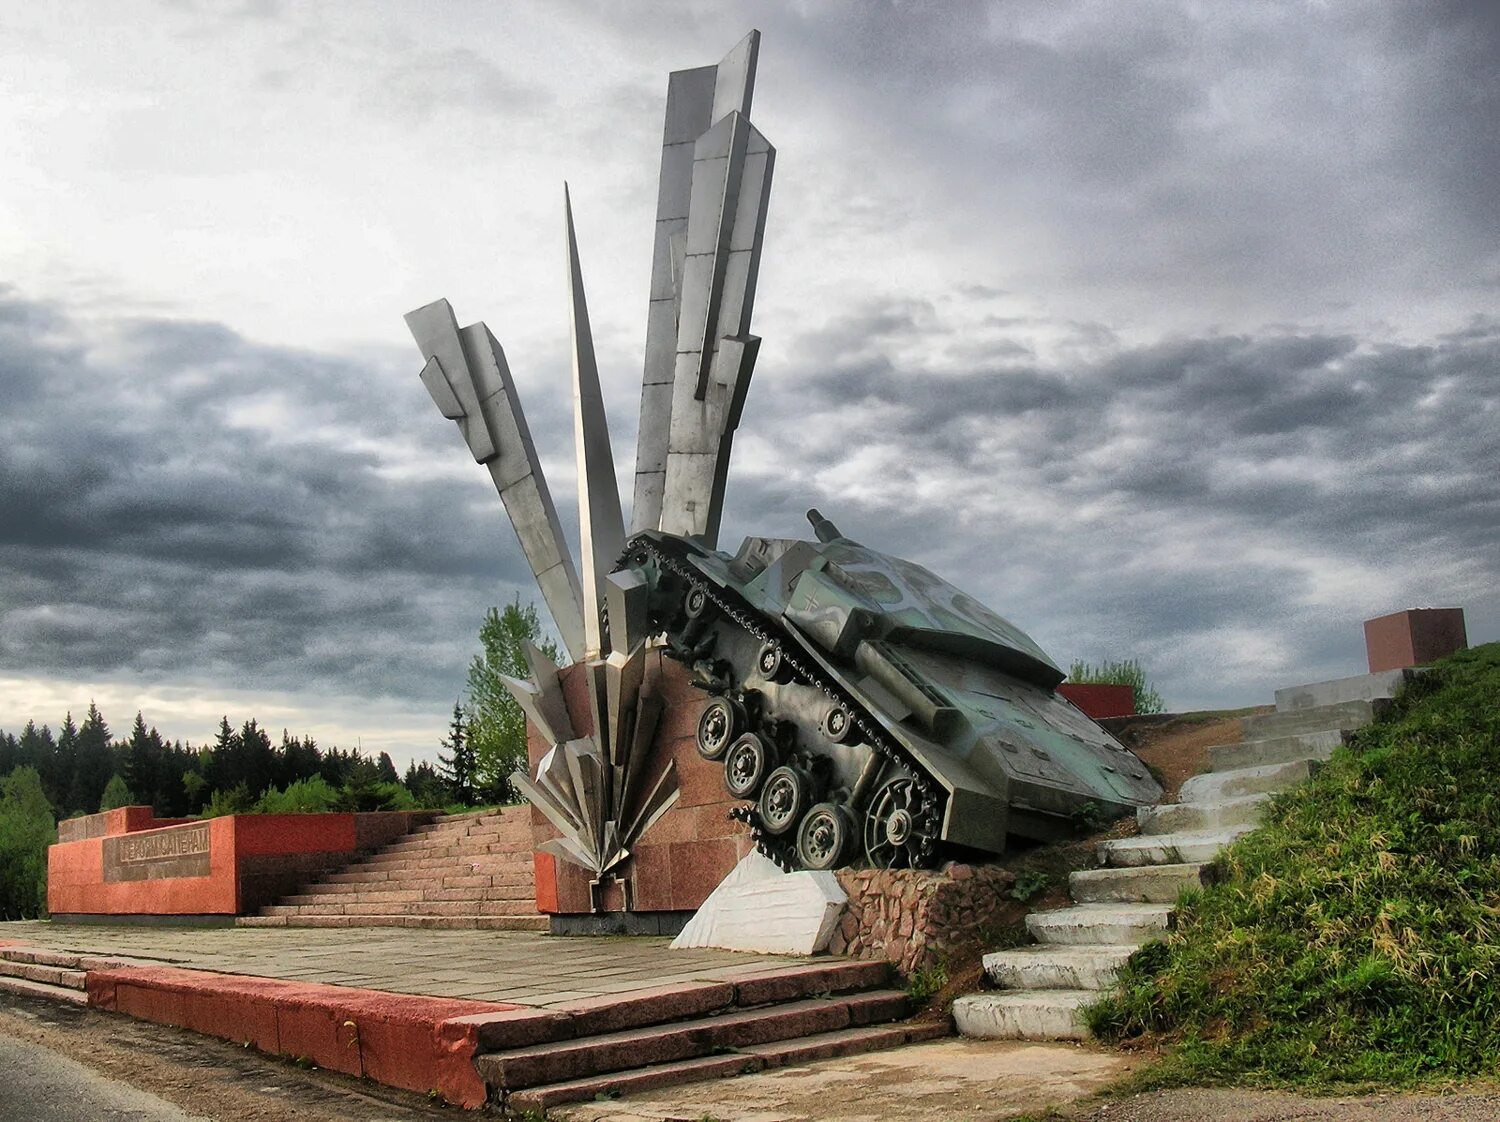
402 1040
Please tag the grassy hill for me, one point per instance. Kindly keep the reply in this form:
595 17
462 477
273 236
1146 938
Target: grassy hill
1355 937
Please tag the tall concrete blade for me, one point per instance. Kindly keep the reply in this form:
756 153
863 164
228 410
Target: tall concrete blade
600 521
696 100
471 384
730 192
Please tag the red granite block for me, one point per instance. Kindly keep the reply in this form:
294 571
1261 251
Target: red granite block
651 878
658 1005
697 869
1415 637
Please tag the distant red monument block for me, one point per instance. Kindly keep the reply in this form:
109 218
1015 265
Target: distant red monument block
127 862
1098 700
1414 637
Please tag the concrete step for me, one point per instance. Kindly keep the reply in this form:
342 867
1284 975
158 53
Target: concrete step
1043 967
1362 687
23 987
422 907
571 1060
1101 924
1024 1014
1214 814
43 974
1342 715
1266 779
1288 749
427 922
1142 884
757 1057
1168 849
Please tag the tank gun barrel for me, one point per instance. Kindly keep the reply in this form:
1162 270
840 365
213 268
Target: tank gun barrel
825 530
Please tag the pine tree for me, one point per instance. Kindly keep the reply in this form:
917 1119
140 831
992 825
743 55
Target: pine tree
386 767
94 765
57 773
457 767
144 760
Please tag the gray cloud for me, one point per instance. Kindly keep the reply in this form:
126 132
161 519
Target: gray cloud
1170 498
150 528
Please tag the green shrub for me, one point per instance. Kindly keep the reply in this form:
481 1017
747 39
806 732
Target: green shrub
27 828
1127 673
1355 937
306 796
236 800
116 794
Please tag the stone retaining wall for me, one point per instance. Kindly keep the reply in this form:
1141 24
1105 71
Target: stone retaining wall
917 918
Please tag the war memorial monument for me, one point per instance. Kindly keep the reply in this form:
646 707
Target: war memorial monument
862 710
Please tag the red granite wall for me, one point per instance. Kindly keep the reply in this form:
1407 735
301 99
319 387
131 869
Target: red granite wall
127 862
682 858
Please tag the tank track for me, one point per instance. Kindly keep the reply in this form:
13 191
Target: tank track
783 850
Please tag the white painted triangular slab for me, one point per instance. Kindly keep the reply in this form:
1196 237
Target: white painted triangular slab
757 907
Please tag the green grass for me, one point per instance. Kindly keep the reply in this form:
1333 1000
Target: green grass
1355 937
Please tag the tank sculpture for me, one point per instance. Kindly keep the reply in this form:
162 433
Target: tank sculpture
864 710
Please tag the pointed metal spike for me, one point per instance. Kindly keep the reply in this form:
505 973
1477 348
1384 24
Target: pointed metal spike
601 522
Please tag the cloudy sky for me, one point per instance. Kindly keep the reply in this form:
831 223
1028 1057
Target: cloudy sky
1169 330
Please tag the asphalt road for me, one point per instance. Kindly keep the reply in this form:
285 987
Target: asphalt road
38 1085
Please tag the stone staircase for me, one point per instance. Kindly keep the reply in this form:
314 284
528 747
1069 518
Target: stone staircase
1131 899
683 1034
53 975
462 871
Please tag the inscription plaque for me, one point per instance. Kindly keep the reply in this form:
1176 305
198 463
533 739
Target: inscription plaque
182 851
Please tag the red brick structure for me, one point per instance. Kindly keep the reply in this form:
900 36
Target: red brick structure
684 856
1098 701
1414 637
127 862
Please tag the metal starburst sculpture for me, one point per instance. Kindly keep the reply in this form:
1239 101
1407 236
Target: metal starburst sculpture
715 183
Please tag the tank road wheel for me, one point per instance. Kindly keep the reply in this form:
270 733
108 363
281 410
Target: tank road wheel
746 763
838 724
899 832
784 798
826 837
721 722
696 602
770 663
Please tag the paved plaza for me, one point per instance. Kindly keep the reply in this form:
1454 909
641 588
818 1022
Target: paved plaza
504 966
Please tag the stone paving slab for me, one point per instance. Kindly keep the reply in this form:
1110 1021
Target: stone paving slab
523 968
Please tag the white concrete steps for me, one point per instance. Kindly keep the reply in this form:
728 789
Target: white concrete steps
1024 1014
1209 814
1259 780
1343 715
1044 967
1094 924
1139 884
1362 687
1271 750
1169 849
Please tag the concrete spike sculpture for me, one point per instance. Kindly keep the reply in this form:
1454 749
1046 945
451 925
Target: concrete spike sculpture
864 709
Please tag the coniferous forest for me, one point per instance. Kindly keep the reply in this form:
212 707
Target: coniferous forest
81 768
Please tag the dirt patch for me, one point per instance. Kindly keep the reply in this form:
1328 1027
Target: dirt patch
206 1076
1219 1104
944 1081
1175 745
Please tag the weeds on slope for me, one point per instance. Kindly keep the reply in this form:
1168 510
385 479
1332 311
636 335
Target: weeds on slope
1355 937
